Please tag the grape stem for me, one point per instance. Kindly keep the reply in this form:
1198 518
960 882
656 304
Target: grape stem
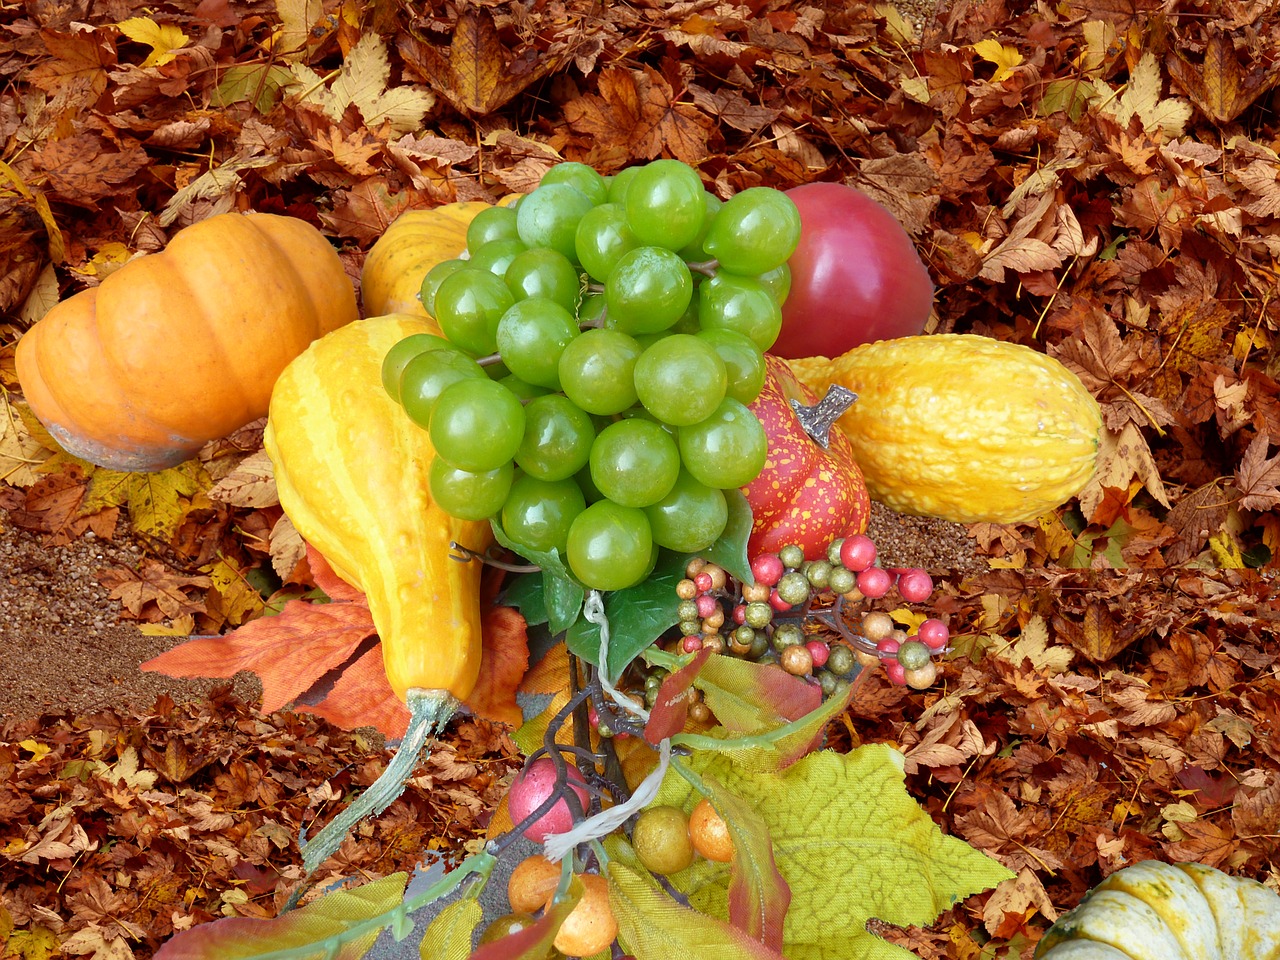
707 268
466 555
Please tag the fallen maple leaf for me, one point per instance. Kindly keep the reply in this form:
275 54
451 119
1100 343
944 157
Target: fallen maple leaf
1257 478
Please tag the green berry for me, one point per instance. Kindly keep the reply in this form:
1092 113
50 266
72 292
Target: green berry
687 610
913 655
787 635
841 660
791 556
794 588
758 615
689 627
841 580
818 572
833 552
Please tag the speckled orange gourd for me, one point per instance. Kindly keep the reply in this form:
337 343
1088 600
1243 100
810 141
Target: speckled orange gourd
414 243
351 470
806 495
964 427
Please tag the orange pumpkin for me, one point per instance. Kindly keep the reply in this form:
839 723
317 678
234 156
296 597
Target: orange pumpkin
181 347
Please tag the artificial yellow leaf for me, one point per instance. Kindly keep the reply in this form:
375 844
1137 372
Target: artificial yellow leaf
1005 58
163 40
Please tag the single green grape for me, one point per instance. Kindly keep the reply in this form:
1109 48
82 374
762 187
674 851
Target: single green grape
427 375
690 518
755 231
634 462
468 305
730 302
496 255
665 205
681 379
602 238
549 217
477 425
401 353
491 223
531 336
557 440
647 291
610 547
544 273
727 449
585 178
537 514
694 252
778 282
597 370
469 495
743 362
619 182
434 277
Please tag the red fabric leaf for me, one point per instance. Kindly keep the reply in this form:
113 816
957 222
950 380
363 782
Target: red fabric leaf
290 651
362 697
671 708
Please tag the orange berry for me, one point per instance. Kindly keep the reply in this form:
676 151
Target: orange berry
709 833
591 927
533 880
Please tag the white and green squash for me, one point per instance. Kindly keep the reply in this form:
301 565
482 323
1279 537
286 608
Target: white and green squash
1168 911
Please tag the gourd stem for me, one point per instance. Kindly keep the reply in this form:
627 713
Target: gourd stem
818 419
429 711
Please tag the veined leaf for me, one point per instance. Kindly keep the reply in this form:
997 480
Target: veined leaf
338 926
448 937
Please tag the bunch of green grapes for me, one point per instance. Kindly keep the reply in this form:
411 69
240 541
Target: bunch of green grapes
603 338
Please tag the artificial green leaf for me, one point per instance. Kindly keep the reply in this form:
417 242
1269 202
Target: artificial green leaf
637 616
652 926
850 843
449 935
758 894
730 551
341 925
749 697
562 596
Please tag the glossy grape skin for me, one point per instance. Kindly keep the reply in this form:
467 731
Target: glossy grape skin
469 495
477 425
743 361
597 370
730 302
665 205
855 275
549 217
537 514
557 439
690 518
580 176
726 450
754 232
602 238
619 183
610 546
634 462
544 273
694 251
468 305
531 336
496 255
648 290
491 223
427 375
434 277
398 358
681 379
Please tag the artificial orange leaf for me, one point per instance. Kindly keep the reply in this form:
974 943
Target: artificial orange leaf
502 665
362 697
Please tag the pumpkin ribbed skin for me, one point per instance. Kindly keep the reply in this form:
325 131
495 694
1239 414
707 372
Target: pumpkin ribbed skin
414 243
351 469
181 347
963 427
1160 911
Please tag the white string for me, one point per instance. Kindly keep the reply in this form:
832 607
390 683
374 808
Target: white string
593 610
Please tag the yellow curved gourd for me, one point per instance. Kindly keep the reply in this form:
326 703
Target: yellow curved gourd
1153 910
963 427
414 243
351 469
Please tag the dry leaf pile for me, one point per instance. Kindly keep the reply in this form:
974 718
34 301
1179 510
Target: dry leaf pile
1098 179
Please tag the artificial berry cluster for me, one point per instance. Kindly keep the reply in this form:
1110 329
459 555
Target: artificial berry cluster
765 620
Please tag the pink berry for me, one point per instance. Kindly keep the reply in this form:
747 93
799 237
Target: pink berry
934 634
858 552
692 644
592 715
740 614
820 652
915 585
778 603
767 569
888 647
703 582
706 605
874 582
895 672
532 786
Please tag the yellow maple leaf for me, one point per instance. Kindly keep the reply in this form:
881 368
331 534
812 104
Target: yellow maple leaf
163 40
1005 58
